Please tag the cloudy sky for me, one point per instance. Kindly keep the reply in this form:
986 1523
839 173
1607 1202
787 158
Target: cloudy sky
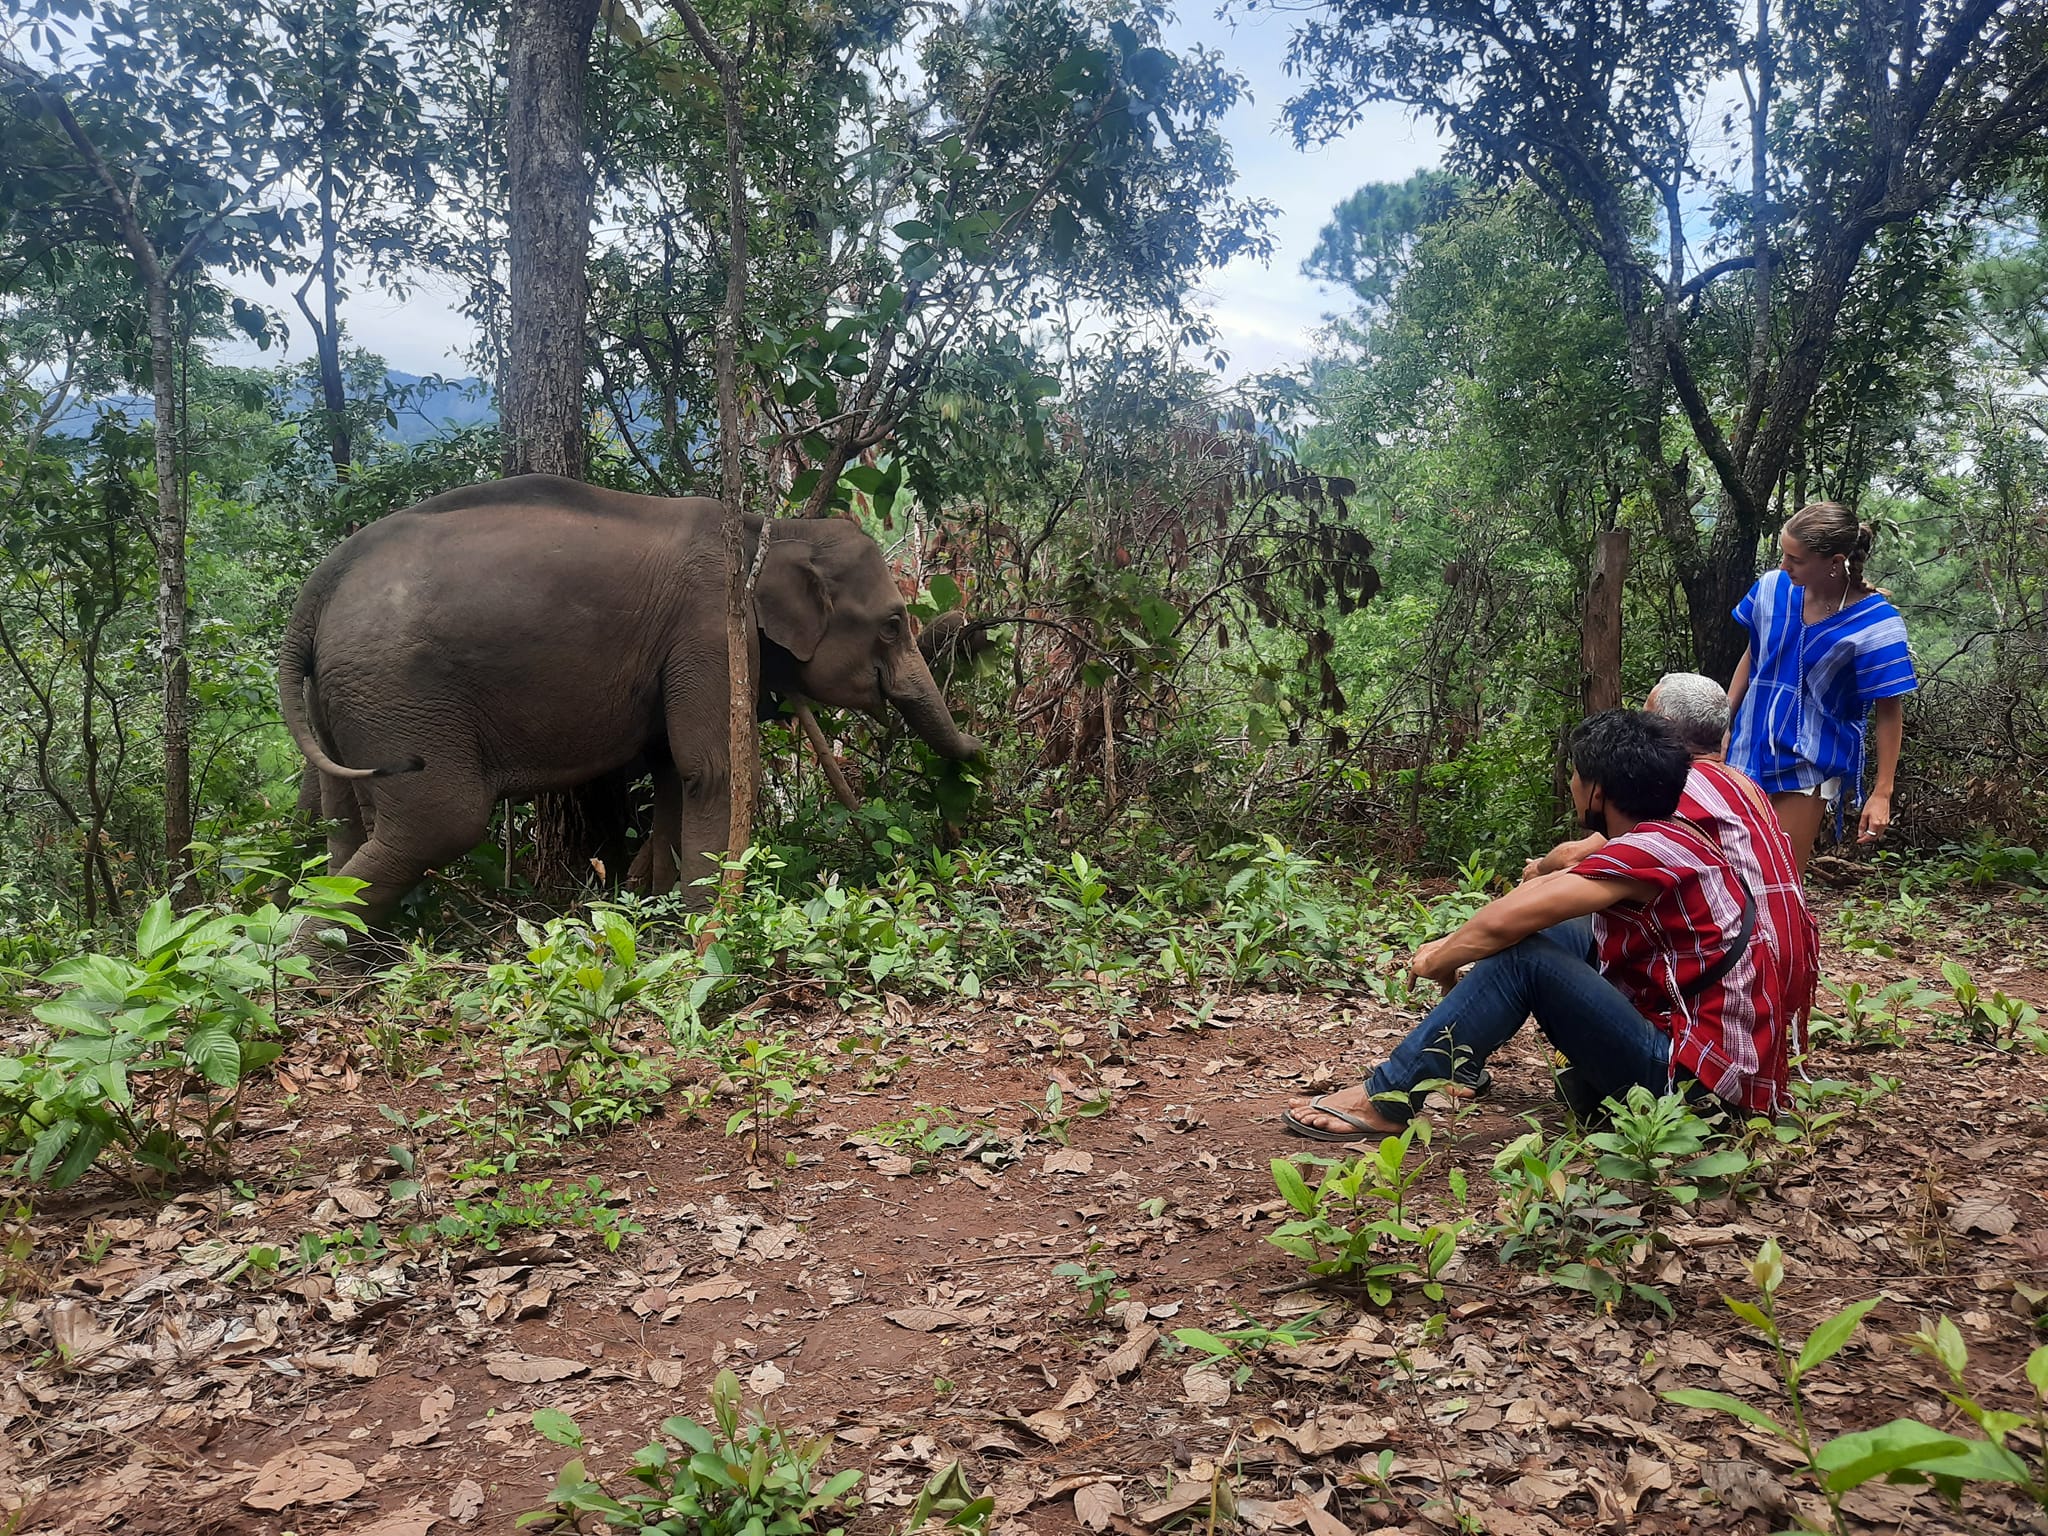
1265 311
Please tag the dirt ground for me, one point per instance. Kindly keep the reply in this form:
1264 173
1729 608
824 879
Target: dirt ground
904 1303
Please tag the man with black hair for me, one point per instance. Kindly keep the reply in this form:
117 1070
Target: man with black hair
1636 963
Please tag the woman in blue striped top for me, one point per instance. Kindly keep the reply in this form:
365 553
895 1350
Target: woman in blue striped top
1825 648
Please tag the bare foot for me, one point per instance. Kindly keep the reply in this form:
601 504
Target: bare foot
1355 1102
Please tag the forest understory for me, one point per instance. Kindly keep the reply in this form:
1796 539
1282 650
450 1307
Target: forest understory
1025 1237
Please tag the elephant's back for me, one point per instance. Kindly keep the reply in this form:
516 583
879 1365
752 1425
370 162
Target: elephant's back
514 573
522 541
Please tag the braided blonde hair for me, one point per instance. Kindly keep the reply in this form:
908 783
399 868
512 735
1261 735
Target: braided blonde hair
1829 528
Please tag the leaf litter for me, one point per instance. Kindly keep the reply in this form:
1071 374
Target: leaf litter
915 1315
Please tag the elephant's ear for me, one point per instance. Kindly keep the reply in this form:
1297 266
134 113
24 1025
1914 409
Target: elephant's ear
790 599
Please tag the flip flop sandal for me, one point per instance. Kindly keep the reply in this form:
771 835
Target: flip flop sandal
1366 1130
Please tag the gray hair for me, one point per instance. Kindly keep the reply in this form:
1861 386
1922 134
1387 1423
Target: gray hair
1696 706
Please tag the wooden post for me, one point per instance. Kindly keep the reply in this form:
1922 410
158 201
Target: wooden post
1600 635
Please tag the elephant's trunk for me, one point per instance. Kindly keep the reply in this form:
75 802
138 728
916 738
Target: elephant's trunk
908 684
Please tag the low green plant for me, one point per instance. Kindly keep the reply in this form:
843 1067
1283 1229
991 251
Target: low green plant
1053 1118
936 1133
1097 1285
1994 1018
1279 916
1903 1451
1659 1144
538 1206
1581 1232
1816 1107
1354 1223
766 1074
1870 1017
563 1001
1240 1345
948 1502
738 1476
148 1055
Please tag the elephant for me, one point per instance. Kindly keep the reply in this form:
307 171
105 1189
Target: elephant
537 633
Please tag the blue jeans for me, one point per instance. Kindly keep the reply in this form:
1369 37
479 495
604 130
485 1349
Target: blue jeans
1551 976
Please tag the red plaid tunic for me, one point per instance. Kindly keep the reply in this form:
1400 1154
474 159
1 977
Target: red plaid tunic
1730 805
1730 1036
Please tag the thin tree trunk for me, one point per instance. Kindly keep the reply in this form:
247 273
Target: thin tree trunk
742 741
1600 637
334 396
170 587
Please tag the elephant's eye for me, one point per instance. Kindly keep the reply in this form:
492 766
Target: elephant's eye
892 630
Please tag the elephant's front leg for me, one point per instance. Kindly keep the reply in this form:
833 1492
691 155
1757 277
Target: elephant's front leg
700 841
702 793
655 866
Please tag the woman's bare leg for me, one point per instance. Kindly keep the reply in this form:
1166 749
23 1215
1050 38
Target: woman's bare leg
1800 815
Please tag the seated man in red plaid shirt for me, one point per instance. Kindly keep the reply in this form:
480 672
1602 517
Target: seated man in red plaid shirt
1637 963
1729 805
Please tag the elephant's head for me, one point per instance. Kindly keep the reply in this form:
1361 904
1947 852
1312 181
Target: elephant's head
825 597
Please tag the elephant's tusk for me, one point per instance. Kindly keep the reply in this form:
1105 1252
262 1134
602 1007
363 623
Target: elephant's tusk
834 774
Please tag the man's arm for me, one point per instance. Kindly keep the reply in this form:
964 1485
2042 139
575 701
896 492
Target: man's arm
1526 909
1564 856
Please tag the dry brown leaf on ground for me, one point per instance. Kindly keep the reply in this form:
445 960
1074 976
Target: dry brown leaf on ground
765 1378
1096 1503
416 1519
1294 1514
359 1203
1987 1216
358 1362
75 1331
300 1476
1048 1424
529 1369
1329 1430
1080 1390
467 1501
1743 1487
1069 1160
1205 1387
932 1319
1128 1356
665 1373
717 1288
1186 1496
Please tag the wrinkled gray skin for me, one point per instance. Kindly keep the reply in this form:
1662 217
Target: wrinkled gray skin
533 634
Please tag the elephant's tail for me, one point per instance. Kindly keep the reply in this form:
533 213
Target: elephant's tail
294 698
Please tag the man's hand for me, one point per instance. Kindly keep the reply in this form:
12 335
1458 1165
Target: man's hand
1876 817
1430 963
1564 856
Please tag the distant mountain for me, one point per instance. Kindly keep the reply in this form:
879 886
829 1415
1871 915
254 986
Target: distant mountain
440 406
428 408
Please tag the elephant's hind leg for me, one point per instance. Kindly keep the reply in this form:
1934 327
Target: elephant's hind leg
343 813
412 829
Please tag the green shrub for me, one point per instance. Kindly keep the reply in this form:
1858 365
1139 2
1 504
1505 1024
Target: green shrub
148 1056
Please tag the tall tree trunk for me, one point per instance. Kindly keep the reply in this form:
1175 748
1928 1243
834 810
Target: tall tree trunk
742 736
170 582
546 86
333 395
540 410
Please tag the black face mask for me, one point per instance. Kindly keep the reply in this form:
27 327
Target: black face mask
1595 821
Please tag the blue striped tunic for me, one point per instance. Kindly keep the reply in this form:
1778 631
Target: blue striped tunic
1811 686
